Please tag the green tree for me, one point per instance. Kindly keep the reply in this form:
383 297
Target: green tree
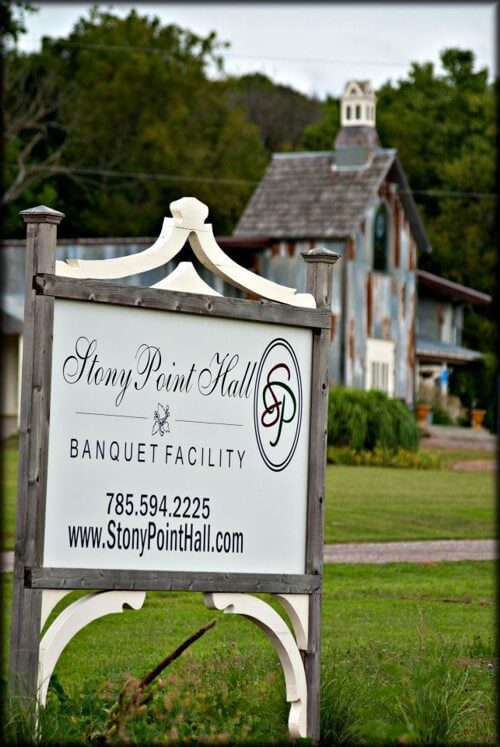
12 18
321 135
443 126
280 112
142 103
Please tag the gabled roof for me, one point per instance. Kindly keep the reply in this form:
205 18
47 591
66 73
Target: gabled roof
305 196
364 86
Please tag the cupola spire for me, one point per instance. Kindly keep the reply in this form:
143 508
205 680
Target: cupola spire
357 116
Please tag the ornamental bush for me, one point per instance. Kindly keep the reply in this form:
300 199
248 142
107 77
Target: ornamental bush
370 420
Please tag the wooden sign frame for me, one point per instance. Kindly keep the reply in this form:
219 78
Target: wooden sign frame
31 578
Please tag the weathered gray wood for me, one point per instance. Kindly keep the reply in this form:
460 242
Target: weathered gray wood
319 283
33 441
101 291
92 578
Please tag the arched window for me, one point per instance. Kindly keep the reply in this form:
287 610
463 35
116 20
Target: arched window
381 236
358 111
348 112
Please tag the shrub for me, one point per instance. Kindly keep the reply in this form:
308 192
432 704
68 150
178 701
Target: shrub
383 458
370 420
477 386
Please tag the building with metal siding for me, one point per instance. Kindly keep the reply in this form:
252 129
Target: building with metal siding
356 201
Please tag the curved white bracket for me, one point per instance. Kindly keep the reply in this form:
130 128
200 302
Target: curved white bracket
297 606
283 641
50 597
187 224
167 245
71 620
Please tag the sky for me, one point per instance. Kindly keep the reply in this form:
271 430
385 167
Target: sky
313 47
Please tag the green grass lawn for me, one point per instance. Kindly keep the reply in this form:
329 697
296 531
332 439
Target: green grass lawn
408 649
369 504
9 487
389 634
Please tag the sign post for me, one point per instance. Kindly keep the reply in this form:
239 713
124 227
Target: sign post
33 432
320 264
187 447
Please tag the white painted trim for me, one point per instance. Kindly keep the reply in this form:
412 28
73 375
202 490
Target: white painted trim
50 597
283 641
19 377
185 278
73 619
381 353
186 225
297 606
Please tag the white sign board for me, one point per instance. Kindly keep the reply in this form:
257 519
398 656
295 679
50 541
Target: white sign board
177 442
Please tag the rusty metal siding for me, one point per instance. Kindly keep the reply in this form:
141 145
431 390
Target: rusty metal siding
440 321
381 309
381 305
458 325
337 340
355 322
288 270
404 334
427 321
404 245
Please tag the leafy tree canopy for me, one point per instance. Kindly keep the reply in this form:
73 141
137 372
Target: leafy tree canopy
12 15
280 112
134 98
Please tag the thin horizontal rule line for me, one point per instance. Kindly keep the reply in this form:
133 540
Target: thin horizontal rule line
112 415
208 422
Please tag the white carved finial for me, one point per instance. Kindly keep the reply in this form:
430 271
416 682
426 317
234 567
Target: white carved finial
188 223
189 212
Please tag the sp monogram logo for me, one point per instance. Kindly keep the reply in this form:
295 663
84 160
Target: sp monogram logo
278 404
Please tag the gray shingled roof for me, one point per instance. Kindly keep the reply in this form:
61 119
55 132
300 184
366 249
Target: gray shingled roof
301 196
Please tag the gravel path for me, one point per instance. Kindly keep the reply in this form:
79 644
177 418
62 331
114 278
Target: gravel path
474 465
385 552
411 552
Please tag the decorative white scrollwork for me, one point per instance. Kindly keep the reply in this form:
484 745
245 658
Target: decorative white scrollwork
283 641
187 224
73 619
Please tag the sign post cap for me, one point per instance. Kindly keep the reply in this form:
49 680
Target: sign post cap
320 254
42 214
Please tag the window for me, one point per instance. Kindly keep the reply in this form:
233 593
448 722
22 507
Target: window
380 365
358 111
348 112
380 375
381 235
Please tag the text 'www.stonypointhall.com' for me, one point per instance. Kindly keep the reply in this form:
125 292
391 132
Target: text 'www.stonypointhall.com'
153 538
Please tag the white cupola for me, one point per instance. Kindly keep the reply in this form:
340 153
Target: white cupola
357 104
